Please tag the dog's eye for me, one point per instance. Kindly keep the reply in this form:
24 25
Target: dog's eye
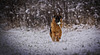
60 16
54 16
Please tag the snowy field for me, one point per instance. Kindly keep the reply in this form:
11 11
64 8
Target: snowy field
38 42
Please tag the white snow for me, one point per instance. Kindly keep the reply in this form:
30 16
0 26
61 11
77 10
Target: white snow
79 16
77 21
87 10
96 15
27 11
33 42
79 5
7 7
92 7
42 6
37 13
73 9
49 12
27 17
50 5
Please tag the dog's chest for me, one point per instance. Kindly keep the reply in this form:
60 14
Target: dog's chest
57 27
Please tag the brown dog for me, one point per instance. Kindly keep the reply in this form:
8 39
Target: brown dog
55 30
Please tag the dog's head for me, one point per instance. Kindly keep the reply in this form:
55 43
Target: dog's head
57 19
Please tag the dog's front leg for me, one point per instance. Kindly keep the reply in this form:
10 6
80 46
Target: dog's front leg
60 33
57 38
53 36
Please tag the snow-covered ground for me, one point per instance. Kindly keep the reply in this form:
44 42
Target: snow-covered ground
38 42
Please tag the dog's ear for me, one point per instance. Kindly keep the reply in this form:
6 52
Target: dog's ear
55 14
60 15
53 19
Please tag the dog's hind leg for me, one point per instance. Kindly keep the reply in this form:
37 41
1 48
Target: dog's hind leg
50 33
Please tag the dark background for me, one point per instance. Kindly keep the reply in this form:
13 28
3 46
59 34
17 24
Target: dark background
38 13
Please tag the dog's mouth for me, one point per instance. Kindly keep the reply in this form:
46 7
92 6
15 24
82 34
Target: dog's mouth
58 23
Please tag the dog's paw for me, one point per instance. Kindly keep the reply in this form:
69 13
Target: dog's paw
59 37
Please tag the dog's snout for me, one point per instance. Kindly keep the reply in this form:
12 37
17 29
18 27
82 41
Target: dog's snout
57 19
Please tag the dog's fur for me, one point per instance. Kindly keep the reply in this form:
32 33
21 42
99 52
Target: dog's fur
55 30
